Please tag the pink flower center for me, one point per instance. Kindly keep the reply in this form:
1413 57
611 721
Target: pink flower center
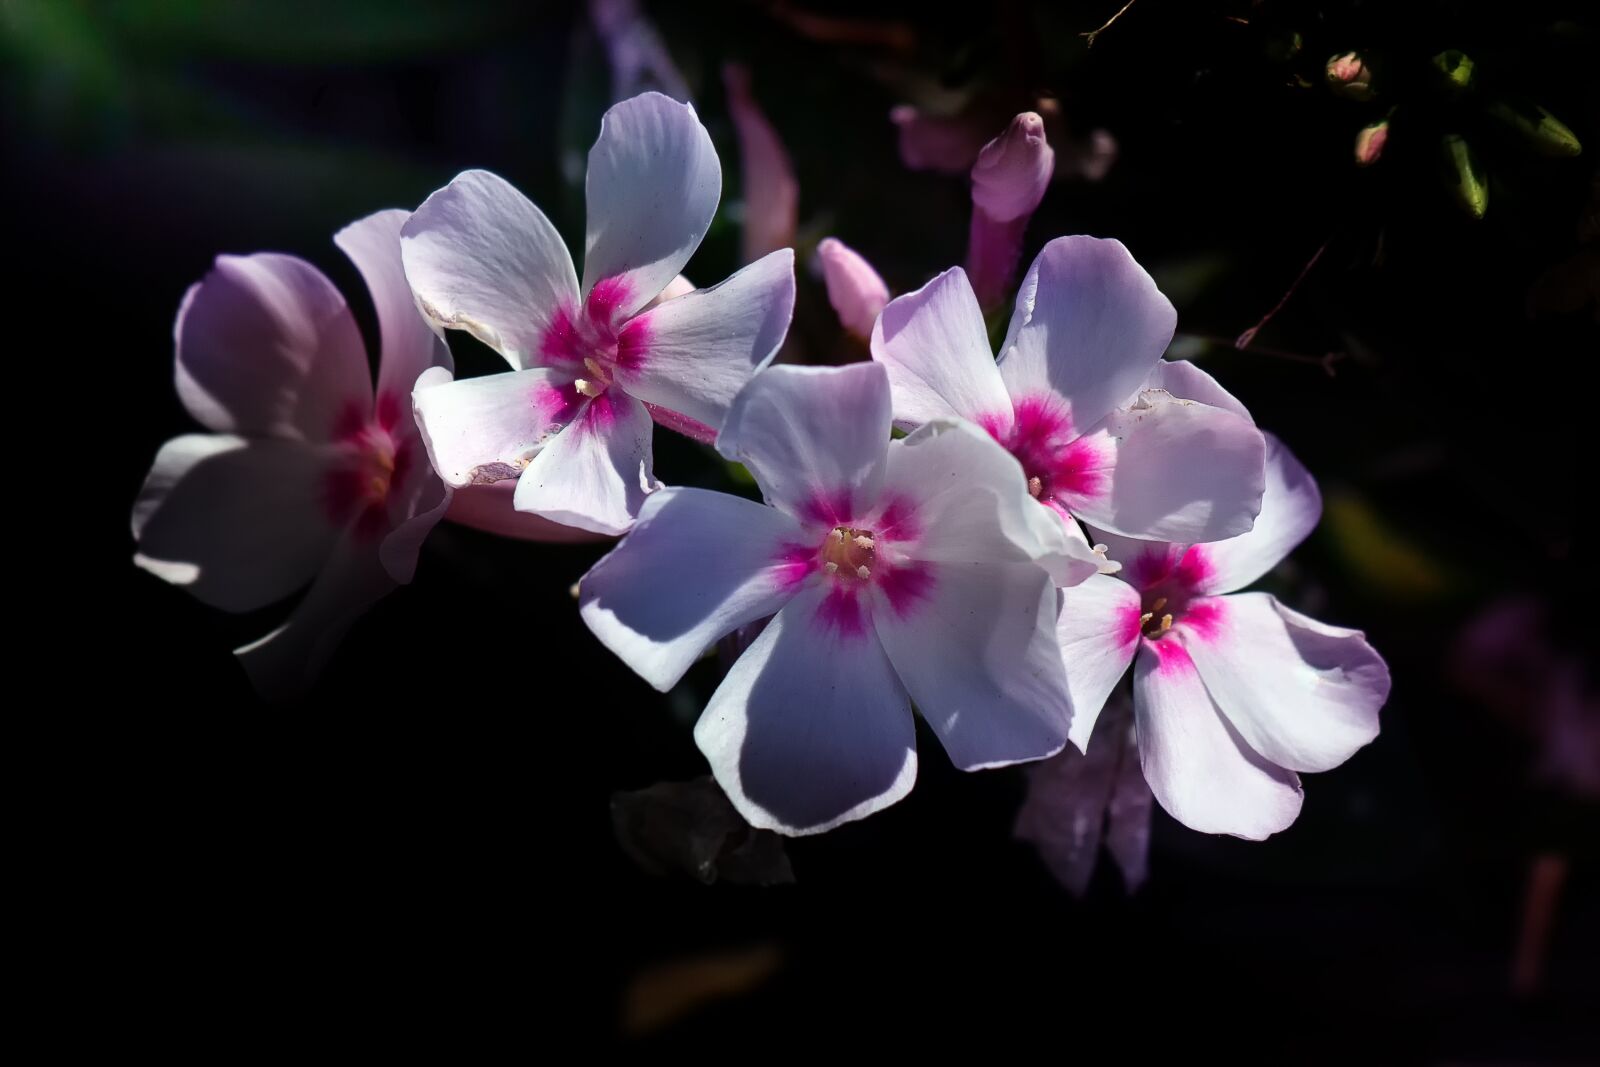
1170 589
1055 458
376 460
595 342
849 554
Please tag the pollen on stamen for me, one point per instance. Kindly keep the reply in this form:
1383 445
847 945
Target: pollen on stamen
1166 623
831 567
863 541
594 367
587 388
1035 486
863 573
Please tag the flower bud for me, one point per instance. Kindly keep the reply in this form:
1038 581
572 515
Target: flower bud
1370 142
1455 70
1350 76
1013 170
1467 180
1537 128
771 192
855 290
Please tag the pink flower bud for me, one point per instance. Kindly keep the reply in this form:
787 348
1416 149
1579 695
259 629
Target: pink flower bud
1370 142
855 290
1013 170
928 142
771 193
1350 76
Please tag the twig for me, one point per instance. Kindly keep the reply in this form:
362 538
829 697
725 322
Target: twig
1250 334
1326 361
1092 34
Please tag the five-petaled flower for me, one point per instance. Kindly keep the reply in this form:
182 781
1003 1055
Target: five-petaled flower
1232 694
911 570
308 474
1070 396
591 365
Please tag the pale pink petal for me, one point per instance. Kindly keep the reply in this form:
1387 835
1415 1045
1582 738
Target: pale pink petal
237 523
679 286
415 508
407 346
284 664
771 193
815 438
594 474
692 355
1198 767
489 508
695 566
811 728
1097 630
934 345
855 290
936 143
1089 325
480 257
958 497
977 653
1169 469
1013 170
653 186
1186 381
1290 508
639 58
267 348
1303 694
488 429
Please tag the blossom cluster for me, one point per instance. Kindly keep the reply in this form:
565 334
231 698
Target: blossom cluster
989 541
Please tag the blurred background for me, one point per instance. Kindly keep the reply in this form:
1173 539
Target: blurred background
459 840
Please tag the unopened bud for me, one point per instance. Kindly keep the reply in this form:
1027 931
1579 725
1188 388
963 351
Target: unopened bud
1370 142
1013 170
1455 70
1350 76
1539 129
1467 180
855 290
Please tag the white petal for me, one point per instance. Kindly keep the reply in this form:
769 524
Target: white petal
811 728
1089 325
237 523
815 438
267 348
594 474
408 347
1303 694
285 663
1186 381
936 349
692 355
489 508
695 566
480 257
1290 508
1198 767
1097 631
977 652
488 429
1171 470
414 510
961 498
653 185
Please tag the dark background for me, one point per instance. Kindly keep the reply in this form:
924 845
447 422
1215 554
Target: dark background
419 856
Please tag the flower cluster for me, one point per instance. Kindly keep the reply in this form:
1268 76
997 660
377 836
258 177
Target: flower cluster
987 541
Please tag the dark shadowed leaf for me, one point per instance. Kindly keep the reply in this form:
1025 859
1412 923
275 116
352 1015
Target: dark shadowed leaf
690 828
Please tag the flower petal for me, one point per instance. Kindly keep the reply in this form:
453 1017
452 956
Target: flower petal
811 728
1089 324
415 508
1097 631
488 429
489 508
1186 381
652 189
267 348
977 653
815 438
594 474
1290 508
1172 470
481 257
695 566
855 289
237 523
1303 694
692 355
408 347
965 501
1198 767
936 349
284 664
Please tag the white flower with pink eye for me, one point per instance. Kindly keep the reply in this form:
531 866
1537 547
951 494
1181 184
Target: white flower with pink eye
308 475
894 572
591 366
1069 398
1233 694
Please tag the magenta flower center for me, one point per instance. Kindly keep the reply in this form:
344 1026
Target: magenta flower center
849 554
1055 459
376 461
595 342
1170 589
